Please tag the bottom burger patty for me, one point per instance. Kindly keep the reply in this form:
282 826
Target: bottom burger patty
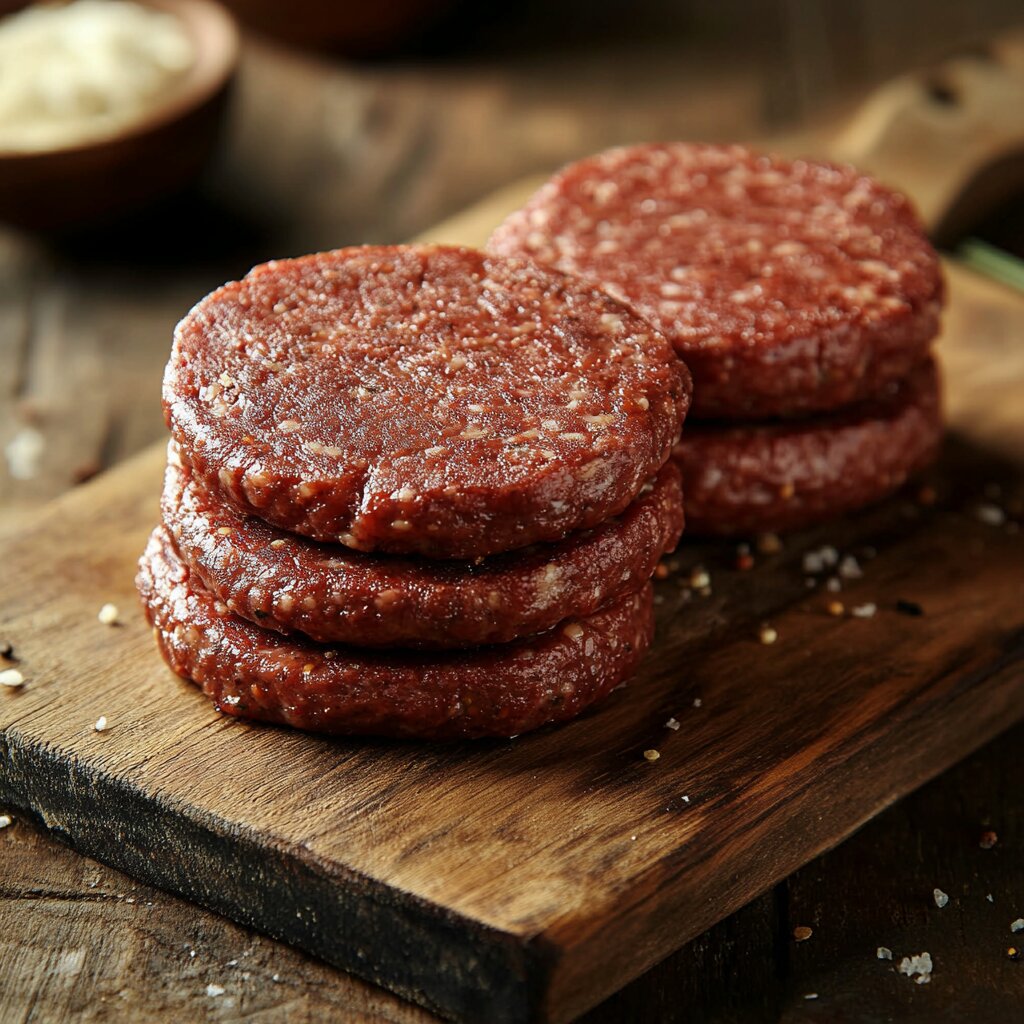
790 474
492 691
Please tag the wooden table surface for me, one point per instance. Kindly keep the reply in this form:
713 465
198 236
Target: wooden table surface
376 153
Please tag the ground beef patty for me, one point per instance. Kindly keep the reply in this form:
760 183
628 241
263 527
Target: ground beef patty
334 594
750 478
422 399
493 691
787 287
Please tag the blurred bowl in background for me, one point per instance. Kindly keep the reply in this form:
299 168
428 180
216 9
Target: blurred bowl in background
152 156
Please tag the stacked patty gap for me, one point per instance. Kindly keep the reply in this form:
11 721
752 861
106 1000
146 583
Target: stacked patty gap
803 296
414 491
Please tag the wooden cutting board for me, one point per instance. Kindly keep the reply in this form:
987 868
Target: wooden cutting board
528 879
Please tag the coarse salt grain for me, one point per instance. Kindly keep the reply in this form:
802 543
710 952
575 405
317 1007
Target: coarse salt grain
697 702
108 615
812 562
849 568
990 515
823 558
672 724
214 990
883 953
1018 925
101 724
11 677
941 898
6 820
920 964
864 611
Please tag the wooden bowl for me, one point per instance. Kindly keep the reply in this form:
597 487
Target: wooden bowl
95 180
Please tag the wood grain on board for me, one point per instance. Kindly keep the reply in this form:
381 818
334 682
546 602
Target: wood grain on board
530 879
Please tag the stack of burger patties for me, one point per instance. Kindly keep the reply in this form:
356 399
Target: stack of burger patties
804 297
413 491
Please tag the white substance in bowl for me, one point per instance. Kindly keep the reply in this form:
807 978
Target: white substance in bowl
85 70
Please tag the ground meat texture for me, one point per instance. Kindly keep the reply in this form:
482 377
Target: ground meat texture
787 286
493 691
422 399
333 594
782 476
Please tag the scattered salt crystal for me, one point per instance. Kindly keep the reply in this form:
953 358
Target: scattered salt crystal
1018 925
820 560
883 953
812 562
632 838
108 615
11 677
275 977
849 568
833 585
919 964
700 578
941 898
811 995
990 515
5 820
214 990
101 724
23 452
864 611
672 724
989 898
697 702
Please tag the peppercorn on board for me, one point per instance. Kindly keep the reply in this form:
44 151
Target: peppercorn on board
528 879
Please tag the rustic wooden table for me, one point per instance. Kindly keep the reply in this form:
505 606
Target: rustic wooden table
377 153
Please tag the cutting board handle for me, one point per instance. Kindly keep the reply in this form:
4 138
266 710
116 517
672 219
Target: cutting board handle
952 136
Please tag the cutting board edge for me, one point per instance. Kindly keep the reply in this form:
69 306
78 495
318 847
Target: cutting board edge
485 966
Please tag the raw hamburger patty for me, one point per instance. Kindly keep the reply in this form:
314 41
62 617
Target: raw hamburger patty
493 691
749 478
422 399
331 593
787 287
